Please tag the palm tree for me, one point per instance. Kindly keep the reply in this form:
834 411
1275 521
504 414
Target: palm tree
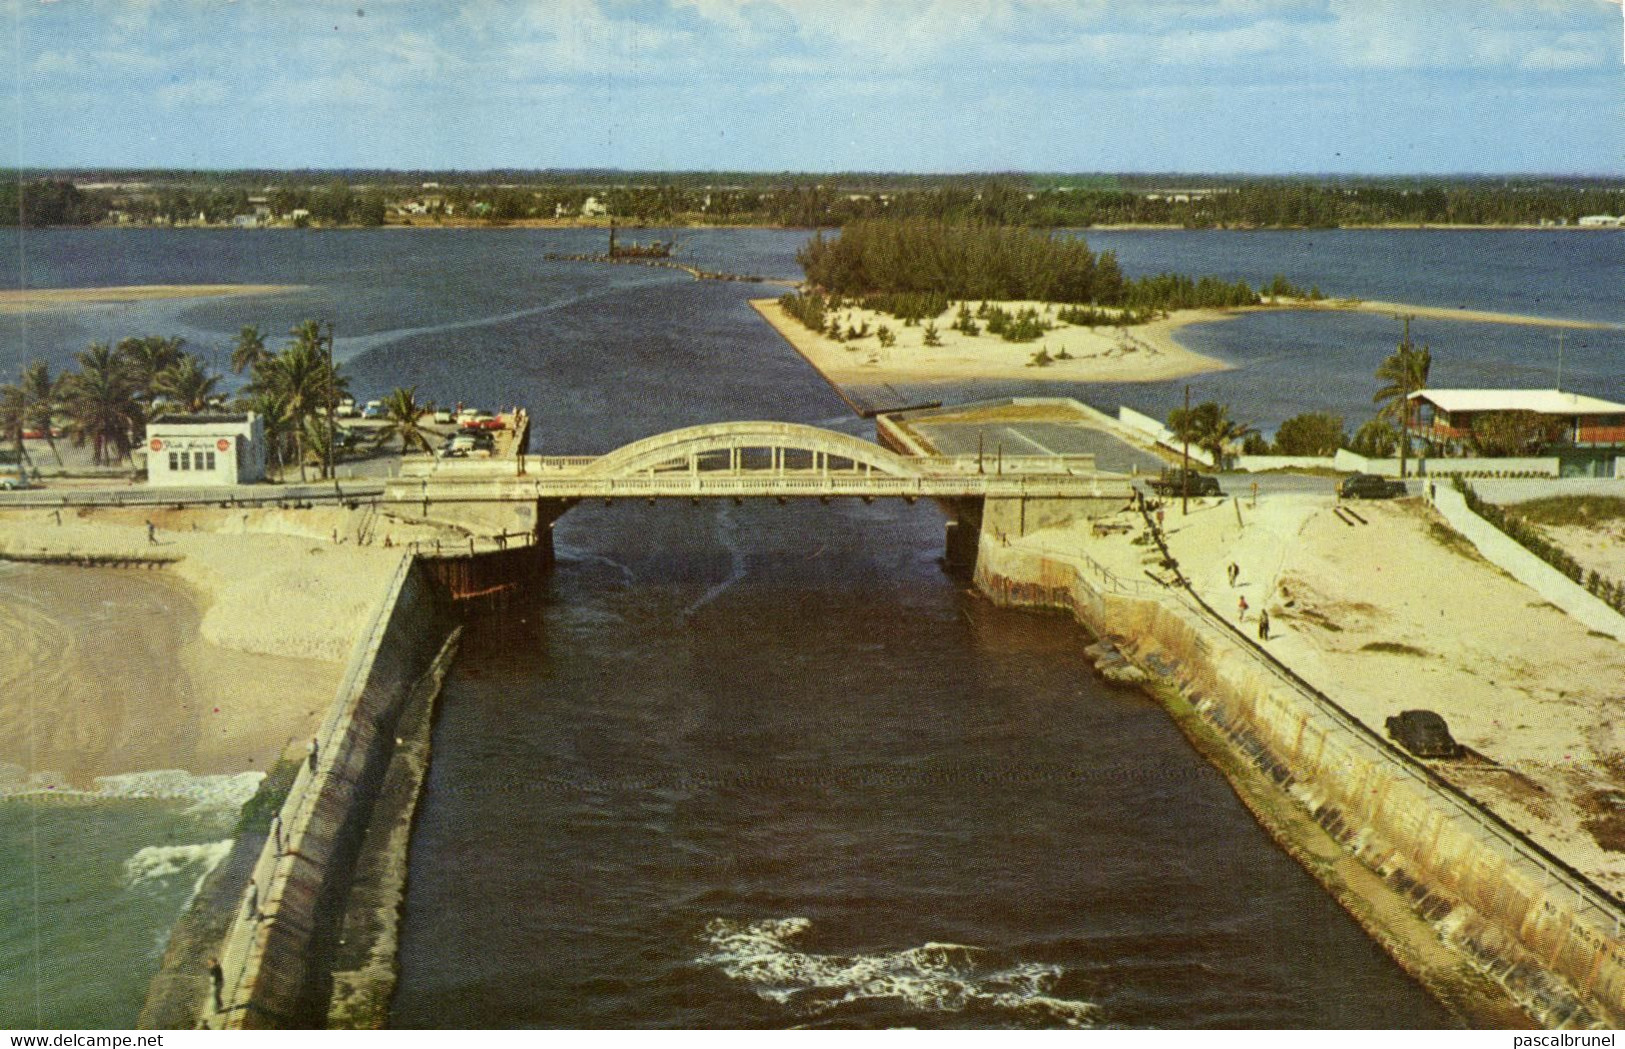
100 402
1220 432
300 377
272 408
248 350
187 384
14 419
1404 372
144 359
402 415
42 395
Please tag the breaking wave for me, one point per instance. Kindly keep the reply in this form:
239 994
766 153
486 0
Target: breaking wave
935 977
162 862
228 791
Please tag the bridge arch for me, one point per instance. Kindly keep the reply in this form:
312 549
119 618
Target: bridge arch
678 448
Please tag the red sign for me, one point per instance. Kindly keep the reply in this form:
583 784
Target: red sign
156 445
222 444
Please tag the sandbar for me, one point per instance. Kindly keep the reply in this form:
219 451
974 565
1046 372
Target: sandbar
31 300
1442 313
214 663
1144 353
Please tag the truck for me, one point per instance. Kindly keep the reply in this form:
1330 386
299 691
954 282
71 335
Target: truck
1172 482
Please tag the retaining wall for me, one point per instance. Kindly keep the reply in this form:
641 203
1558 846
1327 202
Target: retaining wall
1517 914
1504 551
272 955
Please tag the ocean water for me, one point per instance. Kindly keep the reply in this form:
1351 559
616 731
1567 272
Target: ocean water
767 766
89 889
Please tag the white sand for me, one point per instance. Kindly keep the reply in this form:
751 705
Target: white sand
30 300
1517 680
214 664
1142 353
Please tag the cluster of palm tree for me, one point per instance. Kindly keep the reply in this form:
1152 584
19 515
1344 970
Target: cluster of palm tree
108 400
294 390
115 391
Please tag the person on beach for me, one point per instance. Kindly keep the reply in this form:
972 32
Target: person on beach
253 899
152 534
1234 571
312 749
217 981
1241 608
1263 625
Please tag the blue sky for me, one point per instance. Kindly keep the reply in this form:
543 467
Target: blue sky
1364 86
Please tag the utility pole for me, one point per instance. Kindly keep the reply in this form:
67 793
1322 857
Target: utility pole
1185 474
331 380
1560 360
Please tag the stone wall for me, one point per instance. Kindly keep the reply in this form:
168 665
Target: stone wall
273 955
1516 914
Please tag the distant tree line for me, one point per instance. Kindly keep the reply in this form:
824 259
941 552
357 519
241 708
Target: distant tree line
1036 200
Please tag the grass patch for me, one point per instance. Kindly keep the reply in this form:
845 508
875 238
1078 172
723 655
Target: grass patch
258 811
1396 648
1580 510
1453 541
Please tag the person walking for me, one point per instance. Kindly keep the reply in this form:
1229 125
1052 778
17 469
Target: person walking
312 749
217 981
1234 572
152 534
1263 625
1241 608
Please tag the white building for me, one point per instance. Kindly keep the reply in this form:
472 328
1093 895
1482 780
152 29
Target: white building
213 449
1600 220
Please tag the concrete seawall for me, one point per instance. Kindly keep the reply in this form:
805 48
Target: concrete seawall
272 955
1512 913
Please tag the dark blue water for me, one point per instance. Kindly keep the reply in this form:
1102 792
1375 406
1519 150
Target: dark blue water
767 766
437 296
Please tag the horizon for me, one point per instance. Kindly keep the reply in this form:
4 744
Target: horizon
1249 88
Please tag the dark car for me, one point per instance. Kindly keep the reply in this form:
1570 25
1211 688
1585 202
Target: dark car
1423 733
1172 482
1370 486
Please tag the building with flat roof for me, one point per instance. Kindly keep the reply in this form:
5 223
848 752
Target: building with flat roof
206 449
1585 433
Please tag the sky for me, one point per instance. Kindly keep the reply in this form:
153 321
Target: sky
1254 86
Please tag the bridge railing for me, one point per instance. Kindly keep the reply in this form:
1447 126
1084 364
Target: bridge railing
704 484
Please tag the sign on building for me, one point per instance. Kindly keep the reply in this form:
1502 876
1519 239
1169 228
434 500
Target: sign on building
193 450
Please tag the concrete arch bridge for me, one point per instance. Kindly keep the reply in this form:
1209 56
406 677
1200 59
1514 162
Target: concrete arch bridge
783 461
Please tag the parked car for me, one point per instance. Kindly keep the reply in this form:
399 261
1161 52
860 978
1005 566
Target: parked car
1423 733
1370 486
373 410
1172 482
12 478
490 422
442 416
346 409
461 442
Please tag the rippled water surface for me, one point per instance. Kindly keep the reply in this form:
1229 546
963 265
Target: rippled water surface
767 766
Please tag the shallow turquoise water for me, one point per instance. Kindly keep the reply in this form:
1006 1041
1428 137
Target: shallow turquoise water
89 892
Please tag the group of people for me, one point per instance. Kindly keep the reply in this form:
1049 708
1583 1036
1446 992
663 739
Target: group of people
1233 572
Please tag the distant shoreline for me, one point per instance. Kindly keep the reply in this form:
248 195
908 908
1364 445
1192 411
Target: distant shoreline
623 225
32 300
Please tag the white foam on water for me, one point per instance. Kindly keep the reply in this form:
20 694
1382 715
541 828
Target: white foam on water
162 862
934 977
229 791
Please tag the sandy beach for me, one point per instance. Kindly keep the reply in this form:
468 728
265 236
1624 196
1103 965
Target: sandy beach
1400 614
214 663
1143 353
31 300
